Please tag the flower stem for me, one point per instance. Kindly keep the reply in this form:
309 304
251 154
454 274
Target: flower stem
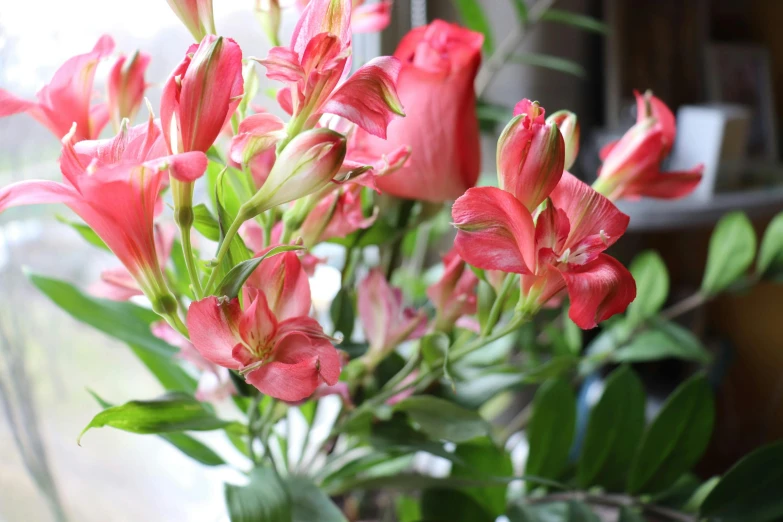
187 251
242 216
175 321
497 306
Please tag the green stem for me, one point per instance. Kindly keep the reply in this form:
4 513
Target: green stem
497 306
252 415
175 322
242 216
187 251
403 219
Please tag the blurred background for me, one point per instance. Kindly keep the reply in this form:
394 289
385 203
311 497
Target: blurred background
717 63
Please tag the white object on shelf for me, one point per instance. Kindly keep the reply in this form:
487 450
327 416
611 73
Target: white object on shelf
716 136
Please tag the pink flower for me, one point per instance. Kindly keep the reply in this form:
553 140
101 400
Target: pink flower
126 86
316 61
253 236
568 125
272 342
214 383
555 248
196 15
201 94
339 214
385 320
454 295
439 65
118 201
631 167
365 18
67 98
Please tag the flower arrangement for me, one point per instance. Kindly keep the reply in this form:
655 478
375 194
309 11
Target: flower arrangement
369 161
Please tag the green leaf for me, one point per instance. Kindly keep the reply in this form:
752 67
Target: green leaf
485 296
484 459
173 412
697 498
629 514
751 490
665 340
548 61
435 347
310 503
552 512
236 277
587 23
227 203
343 312
86 232
265 498
521 9
473 17
206 224
770 260
652 286
551 429
613 431
676 439
170 376
452 505
407 509
194 449
441 419
731 252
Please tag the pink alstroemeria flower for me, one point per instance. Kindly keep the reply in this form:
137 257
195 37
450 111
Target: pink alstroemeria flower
385 320
555 249
214 382
67 98
316 61
272 342
201 94
365 18
454 295
117 200
337 215
196 15
632 165
126 86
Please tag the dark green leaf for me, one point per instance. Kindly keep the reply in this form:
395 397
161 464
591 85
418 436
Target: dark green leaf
236 277
86 232
310 503
407 509
629 514
343 312
266 498
770 260
552 512
551 429
652 286
172 413
676 439
697 498
751 490
414 481
205 222
473 17
435 349
587 23
731 252
613 432
547 61
486 298
441 419
666 340
484 459
452 505
165 369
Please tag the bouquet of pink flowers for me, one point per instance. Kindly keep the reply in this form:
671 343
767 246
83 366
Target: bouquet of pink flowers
408 361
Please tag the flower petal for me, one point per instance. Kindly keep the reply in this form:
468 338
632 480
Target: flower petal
495 231
371 18
369 97
35 192
284 283
282 64
211 324
598 290
666 185
648 105
322 16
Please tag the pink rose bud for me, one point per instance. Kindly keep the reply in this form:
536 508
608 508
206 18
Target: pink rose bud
196 15
268 16
435 86
201 94
306 165
568 125
530 155
126 85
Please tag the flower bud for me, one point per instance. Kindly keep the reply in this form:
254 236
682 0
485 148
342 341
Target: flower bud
268 16
201 94
126 85
530 155
196 15
568 124
306 165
